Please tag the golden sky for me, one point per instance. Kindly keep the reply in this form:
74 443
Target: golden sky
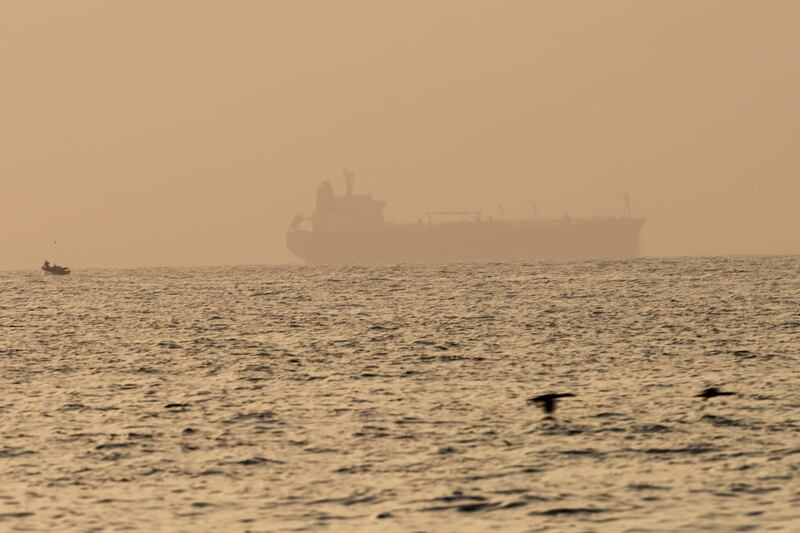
154 132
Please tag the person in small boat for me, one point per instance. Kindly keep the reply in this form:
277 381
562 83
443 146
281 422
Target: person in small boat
46 265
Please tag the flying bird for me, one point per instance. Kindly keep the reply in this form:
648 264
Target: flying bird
548 401
712 392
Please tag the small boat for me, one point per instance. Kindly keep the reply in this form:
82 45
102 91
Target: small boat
56 270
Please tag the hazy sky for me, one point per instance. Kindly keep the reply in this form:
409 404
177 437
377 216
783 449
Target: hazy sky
152 132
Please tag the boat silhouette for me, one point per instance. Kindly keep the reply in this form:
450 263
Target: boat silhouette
56 270
350 228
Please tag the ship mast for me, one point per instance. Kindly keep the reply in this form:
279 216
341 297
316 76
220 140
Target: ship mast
626 212
348 178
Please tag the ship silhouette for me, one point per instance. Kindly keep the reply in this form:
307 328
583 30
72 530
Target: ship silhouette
350 229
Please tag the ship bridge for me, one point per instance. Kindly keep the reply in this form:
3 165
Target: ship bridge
350 213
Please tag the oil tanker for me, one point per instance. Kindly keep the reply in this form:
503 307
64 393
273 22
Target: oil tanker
350 229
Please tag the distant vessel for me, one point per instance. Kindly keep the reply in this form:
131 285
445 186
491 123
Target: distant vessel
56 270
351 229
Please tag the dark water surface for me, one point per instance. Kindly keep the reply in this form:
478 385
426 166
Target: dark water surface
393 398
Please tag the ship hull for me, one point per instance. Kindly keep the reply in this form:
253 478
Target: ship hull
616 238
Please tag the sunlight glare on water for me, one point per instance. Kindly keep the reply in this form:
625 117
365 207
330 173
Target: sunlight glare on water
306 398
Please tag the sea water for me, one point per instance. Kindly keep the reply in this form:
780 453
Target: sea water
293 398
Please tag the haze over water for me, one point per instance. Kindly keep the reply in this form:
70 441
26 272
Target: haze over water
192 132
353 398
291 398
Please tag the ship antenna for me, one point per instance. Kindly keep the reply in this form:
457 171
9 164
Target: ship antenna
626 213
348 178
